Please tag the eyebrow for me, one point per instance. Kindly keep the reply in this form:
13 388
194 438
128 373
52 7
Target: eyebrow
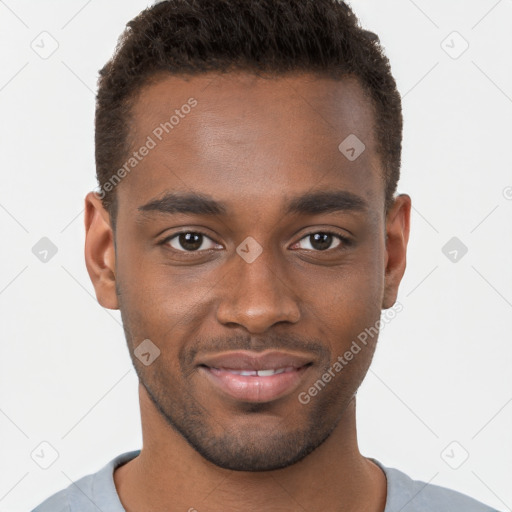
311 203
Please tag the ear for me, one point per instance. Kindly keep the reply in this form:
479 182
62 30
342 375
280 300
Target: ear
100 251
397 236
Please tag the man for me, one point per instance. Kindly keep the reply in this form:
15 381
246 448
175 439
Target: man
247 228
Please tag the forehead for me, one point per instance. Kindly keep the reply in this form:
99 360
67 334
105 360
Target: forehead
331 107
237 135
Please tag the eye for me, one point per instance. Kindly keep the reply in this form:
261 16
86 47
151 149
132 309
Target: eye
322 241
190 241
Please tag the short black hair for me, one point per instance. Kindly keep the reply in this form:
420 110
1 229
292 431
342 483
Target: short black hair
274 37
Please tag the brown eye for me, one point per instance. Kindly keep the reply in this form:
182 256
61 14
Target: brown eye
322 241
190 241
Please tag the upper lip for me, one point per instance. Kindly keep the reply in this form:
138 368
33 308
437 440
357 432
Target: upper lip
242 360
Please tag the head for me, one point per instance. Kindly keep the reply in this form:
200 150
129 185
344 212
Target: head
247 155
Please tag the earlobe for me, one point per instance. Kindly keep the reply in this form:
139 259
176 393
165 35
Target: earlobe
397 237
100 251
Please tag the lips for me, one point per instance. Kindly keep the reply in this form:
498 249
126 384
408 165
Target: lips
251 377
250 361
258 373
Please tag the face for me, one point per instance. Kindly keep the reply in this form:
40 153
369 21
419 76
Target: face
247 241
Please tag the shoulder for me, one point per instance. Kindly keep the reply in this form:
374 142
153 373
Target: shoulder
58 502
67 499
89 492
408 495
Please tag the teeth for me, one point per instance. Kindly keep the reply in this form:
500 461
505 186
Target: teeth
261 373
266 373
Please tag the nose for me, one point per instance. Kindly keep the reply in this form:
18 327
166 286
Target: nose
257 295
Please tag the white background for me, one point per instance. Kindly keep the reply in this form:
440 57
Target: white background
442 371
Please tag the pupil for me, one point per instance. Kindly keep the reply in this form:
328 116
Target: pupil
191 241
321 241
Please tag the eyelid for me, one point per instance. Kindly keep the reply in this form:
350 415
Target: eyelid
344 240
167 239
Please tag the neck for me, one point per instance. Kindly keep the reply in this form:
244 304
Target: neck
170 475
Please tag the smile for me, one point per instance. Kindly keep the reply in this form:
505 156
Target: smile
258 373
264 385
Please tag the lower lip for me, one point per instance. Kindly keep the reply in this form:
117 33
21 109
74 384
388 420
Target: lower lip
253 388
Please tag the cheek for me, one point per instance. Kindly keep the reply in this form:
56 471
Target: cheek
161 298
349 304
158 301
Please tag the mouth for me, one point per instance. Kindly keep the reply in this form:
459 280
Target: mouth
256 373
250 377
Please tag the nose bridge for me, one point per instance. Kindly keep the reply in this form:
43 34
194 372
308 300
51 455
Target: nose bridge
257 292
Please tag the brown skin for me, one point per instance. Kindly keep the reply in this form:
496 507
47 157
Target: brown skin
252 143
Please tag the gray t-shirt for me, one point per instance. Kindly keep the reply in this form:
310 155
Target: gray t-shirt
97 492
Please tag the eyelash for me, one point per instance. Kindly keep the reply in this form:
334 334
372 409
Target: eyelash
346 242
